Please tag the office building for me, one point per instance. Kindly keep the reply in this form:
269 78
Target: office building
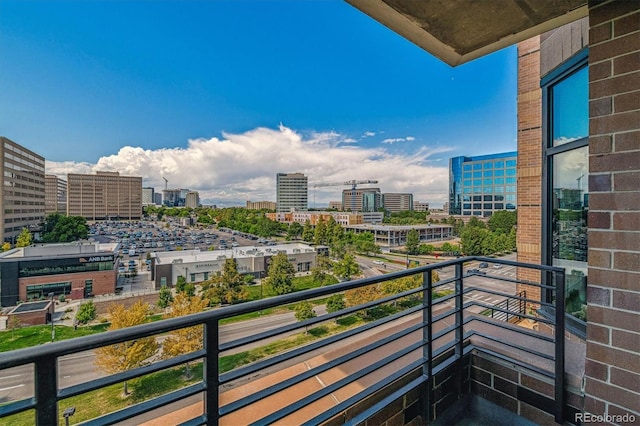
479 186
362 199
420 206
22 191
261 205
55 195
192 199
397 202
292 191
335 205
77 270
396 235
105 195
148 196
174 197
157 198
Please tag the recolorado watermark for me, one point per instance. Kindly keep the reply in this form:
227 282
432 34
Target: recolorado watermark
605 418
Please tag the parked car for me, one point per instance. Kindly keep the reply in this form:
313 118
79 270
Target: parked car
476 271
497 266
483 265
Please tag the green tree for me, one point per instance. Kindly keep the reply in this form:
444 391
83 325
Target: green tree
361 295
413 241
24 239
320 233
346 267
86 312
307 232
64 229
280 276
474 222
294 231
6 246
365 243
131 354
502 221
335 303
228 287
181 283
165 297
473 240
304 311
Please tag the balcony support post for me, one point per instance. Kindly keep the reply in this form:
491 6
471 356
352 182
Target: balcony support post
212 346
427 336
559 346
46 388
459 315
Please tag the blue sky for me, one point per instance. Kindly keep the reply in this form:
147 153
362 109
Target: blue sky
222 95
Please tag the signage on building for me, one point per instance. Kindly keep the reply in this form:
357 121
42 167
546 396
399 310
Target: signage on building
93 259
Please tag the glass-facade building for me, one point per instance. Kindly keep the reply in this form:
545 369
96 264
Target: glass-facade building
481 185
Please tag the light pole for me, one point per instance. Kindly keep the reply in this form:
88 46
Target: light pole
53 311
68 413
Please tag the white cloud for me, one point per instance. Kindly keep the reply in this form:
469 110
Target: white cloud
395 140
368 134
240 167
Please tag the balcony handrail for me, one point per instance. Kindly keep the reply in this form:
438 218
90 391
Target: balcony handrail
46 356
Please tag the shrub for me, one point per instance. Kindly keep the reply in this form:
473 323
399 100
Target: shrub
86 312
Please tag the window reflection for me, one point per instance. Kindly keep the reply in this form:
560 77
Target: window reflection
570 106
569 224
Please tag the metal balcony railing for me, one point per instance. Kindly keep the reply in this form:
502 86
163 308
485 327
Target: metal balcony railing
430 328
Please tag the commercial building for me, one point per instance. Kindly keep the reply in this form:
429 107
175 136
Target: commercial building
174 197
261 205
292 192
197 266
148 196
22 191
396 235
479 186
397 202
105 195
362 199
76 270
192 199
420 206
55 195
342 218
335 205
157 198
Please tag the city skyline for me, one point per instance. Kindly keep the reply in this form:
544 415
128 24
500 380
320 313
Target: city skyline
222 101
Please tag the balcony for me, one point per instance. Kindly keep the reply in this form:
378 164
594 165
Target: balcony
425 354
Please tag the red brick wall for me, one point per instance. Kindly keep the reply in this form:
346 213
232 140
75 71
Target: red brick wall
613 292
104 282
529 161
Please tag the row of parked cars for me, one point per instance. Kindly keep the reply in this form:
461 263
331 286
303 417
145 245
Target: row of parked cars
482 265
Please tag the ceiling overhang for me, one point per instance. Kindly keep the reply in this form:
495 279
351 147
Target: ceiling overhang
458 31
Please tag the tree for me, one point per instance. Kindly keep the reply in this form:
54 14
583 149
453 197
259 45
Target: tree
228 287
24 239
335 303
6 246
165 297
413 241
304 311
130 354
320 234
307 232
359 296
473 241
64 229
181 283
86 312
184 340
365 243
502 221
474 222
281 273
294 231
346 267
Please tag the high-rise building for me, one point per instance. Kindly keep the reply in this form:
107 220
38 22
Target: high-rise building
157 198
362 199
174 197
55 195
292 192
148 196
397 202
22 190
192 199
105 195
479 186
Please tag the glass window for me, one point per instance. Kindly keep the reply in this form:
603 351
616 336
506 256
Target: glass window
488 182
466 182
477 190
570 108
466 190
488 165
477 166
488 173
499 198
466 198
498 172
477 213
477 174
477 198
466 175
477 205
498 164
466 167
498 189
511 163
498 181
488 190
498 206
466 206
511 172
511 180
488 198
511 188
477 182
487 206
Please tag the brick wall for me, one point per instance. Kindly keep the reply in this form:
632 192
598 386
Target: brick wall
104 282
612 384
529 162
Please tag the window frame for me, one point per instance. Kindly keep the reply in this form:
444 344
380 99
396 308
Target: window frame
570 67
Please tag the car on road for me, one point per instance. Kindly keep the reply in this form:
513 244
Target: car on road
483 265
497 266
476 271
378 262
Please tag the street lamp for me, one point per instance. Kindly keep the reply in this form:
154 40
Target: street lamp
53 311
68 413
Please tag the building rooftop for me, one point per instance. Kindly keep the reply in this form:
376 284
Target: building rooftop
59 250
189 256
398 227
